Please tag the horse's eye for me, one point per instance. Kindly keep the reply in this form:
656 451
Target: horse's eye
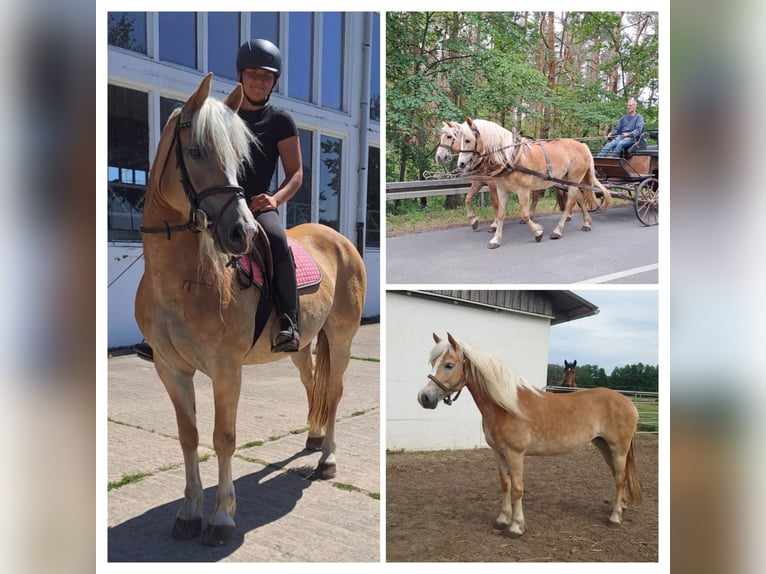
195 152
449 365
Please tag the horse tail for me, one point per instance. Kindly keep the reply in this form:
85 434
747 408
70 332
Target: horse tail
595 182
318 405
632 484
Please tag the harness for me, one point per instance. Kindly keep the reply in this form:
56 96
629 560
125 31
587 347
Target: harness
198 218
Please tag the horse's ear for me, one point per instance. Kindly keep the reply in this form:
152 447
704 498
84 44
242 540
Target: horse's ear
234 99
574 364
437 338
452 341
566 364
198 98
469 121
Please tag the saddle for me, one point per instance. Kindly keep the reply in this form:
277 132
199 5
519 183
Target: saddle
255 269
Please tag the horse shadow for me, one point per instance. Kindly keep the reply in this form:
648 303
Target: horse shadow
261 500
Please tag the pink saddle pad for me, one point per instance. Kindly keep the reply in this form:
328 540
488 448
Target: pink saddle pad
307 272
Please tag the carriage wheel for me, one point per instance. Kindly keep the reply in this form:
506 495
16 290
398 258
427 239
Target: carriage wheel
647 201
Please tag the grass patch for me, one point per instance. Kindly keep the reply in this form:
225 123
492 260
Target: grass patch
300 431
347 487
368 359
374 495
251 444
128 479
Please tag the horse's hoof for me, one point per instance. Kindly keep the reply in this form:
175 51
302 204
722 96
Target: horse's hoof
475 224
613 524
500 525
324 471
555 235
569 218
491 245
491 229
217 534
585 228
187 529
539 238
513 535
314 443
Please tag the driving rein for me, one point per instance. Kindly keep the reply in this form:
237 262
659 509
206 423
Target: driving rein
198 218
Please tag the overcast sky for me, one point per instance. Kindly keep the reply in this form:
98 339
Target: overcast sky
624 332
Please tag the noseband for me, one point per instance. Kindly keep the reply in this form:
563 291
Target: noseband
461 383
198 218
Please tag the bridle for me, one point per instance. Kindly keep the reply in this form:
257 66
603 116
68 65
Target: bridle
449 390
198 219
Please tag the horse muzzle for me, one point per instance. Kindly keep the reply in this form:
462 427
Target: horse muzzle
426 400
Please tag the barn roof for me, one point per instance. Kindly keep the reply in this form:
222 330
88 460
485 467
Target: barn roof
560 306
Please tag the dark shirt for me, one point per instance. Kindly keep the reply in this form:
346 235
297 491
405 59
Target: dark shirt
270 125
633 125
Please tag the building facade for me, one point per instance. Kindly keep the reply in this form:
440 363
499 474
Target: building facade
330 84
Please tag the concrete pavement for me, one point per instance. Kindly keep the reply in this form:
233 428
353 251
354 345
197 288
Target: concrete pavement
281 515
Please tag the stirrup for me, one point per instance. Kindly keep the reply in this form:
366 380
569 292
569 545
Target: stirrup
287 339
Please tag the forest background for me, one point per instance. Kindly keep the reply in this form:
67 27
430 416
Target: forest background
547 74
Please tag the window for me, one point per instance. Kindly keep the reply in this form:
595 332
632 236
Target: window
128 30
332 60
375 70
265 25
373 198
330 173
178 38
166 108
300 69
223 43
128 161
299 206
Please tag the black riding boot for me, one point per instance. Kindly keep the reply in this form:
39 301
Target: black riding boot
286 302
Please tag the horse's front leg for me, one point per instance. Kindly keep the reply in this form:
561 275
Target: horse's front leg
502 200
180 388
226 389
501 214
475 187
523 193
503 520
516 471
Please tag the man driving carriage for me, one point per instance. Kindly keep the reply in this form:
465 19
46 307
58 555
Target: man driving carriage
626 133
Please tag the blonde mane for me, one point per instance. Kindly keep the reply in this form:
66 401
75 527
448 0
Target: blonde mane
498 380
500 145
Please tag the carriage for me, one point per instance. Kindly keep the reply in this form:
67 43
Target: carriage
634 176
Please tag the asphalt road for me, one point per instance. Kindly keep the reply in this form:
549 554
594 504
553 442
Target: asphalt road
619 249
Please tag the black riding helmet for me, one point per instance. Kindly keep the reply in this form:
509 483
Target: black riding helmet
261 54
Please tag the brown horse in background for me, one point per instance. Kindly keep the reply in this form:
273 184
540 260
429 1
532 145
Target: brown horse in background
519 420
196 316
568 383
522 165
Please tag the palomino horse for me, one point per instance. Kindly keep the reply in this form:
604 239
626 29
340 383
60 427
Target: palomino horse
194 314
448 147
519 420
568 383
522 165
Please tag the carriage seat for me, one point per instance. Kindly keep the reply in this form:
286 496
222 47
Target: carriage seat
641 147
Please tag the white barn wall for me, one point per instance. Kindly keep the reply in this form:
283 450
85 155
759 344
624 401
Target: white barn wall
520 340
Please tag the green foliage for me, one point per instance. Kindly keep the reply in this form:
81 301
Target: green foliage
452 65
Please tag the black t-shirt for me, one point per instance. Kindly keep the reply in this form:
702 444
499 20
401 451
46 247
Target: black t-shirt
270 125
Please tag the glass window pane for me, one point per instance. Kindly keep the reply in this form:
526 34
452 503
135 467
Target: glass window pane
373 198
167 106
332 60
375 70
299 206
178 38
128 160
330 172
128 30
299 55
265 25
223 43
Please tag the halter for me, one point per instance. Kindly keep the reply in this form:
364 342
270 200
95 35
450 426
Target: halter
461 383
198 219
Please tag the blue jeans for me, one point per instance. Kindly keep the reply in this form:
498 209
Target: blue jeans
616 144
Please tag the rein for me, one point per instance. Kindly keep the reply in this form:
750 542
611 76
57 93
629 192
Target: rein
198 219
